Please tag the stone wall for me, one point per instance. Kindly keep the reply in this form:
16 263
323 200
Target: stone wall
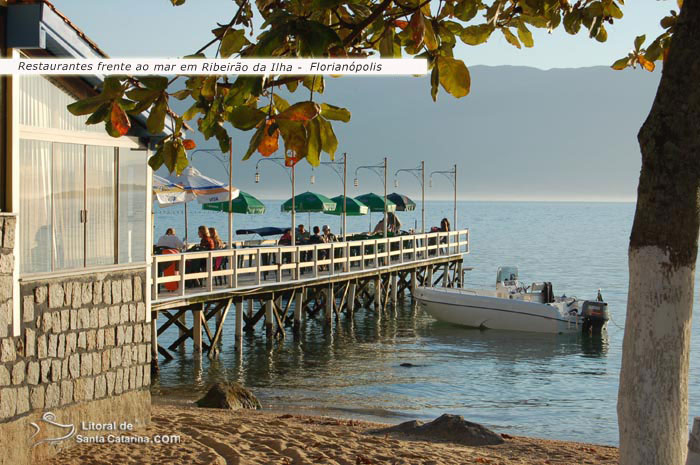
83 339
7 263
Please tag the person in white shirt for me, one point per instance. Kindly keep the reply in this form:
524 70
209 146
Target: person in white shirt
170 240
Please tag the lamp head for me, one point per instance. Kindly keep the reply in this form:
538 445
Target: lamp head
356 182
396 182
313 179
257 177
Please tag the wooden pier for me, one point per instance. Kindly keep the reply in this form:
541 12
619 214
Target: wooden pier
287 282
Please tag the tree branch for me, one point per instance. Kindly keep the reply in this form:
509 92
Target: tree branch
366 22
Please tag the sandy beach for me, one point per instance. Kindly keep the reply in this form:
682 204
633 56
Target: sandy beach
221 437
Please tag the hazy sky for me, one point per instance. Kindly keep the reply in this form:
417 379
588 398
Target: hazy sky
512 136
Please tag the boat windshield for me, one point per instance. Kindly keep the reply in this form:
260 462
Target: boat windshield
507 273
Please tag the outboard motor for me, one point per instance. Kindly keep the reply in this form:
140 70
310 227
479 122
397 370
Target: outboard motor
548 292
595 316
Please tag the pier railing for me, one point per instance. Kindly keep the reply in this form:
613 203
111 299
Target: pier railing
192 273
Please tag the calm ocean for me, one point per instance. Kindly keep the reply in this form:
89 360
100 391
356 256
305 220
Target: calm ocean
560 387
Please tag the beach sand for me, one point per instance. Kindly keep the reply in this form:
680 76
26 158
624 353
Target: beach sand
225 437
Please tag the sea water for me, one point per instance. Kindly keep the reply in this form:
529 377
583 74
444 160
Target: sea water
551 386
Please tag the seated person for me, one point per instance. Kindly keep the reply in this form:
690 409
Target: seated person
286 238
169 240
207 242
302 235
316 237
328 235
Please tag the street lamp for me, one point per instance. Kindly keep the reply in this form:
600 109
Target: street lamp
452 176
216 153
335 166
280 161
421 179
376 169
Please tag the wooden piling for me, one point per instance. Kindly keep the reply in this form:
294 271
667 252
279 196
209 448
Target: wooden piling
269 325
330 302
351 299
429 276
298 306
394 289
445 274
378 294
239 325
197 331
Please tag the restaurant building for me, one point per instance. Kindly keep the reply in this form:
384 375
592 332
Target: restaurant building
74 227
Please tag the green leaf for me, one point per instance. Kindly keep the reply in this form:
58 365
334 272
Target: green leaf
313 38
313 143
429 37
181 94
280 103
170 155
335 113
112 87
668 21
434 83
329 143
386 44
233 41
572 22
140 94
154 82
466 9
292 86
255 142
209 88
246 118
314 83
100 115
525 35
510 37
156 119
454 76
269 42
653 51
301 111
638 41
87 105
620 64
181 160
327 4
475 35
177 2
294 136
602 35
611 9
156 161
192 112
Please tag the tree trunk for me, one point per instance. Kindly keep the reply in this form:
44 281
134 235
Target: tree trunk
653 396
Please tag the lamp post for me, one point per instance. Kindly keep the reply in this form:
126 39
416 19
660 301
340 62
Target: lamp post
452 176
376 169
230 184
343 175
421 179
280 161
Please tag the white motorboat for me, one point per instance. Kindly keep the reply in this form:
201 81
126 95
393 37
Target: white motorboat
514 306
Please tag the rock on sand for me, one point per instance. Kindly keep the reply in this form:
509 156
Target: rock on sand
229 396
452 428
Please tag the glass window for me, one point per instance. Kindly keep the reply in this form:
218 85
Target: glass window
42 104
68 202
100 200
35 204
133 172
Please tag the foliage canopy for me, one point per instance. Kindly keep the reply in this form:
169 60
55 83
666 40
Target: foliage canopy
333 28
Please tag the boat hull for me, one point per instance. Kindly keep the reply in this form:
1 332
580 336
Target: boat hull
460 307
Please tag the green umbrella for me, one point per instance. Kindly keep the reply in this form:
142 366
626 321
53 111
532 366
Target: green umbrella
244 203
309 202
376 202
353 207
